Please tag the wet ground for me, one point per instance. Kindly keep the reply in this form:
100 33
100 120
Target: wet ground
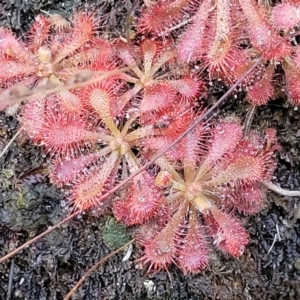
49 268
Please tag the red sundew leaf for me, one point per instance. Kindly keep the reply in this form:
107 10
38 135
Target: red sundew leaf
162 250
285 16
3 106
149 50
161 142
245 169
261 92
188 87
296 56
39 32
124 53
70 102
271 139
229 235
10 47
164 14
85 21
104 62
193 254
64 171
64 134
191 43
32 118
146 232
88 189
87 56
11 71
223 54
168 127
225 61
226 135
85 26
292 76
163 179
83 31
193 146
250 200
258 151
107 90
141 203
247 199
262 36
157 97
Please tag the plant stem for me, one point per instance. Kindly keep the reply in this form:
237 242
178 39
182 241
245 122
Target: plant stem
279 190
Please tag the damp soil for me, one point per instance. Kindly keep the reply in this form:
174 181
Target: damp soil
48 269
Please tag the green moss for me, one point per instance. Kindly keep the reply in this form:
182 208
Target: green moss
114 234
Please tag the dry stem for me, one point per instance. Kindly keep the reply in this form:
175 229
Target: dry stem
93 268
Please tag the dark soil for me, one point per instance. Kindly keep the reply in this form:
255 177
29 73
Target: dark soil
50 268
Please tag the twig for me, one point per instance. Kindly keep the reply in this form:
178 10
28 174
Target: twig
177 26
68 86
278 233
10 280
274 241
10 142
9 255
93 268
279 190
